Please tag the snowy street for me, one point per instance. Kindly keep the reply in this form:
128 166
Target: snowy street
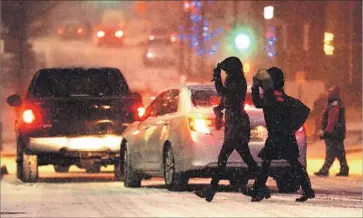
78 194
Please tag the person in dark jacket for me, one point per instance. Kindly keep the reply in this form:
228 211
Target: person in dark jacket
333 131
318 109
284 115
237 124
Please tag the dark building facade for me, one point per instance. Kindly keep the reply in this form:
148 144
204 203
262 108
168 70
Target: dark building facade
300 40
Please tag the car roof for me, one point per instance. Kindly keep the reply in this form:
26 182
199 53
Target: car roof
60 69
207 86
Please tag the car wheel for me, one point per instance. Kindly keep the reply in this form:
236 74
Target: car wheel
174 181
131 179
61 168
29 168
118 172
288 182
94 169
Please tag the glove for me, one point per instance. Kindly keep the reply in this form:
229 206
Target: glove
321 134
256 82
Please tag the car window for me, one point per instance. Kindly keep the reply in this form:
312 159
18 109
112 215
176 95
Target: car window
79 82
170 103
153 109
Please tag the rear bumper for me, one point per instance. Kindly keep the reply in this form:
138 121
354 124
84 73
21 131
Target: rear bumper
94 143
201 153
111 41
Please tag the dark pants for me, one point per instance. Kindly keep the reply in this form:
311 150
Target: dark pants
334 149
303 176
227 149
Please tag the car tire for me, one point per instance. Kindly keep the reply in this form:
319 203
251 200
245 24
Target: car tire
174 181
131 179
94 169
118 171
288 182
29 168
61 168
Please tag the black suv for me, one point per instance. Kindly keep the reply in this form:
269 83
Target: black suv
73 116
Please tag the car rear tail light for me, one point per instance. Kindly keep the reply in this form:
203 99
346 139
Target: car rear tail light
200 124
140 112
119 33
151 37
100 34
301 130
248 106
80 30
28 116
60 31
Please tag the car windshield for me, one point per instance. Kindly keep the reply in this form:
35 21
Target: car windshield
79 82
210 98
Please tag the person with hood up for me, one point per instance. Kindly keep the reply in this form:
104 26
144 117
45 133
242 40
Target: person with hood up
237 123
284 115
333 131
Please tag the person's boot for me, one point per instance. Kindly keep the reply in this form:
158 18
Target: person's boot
343 172
321 173
259 195
207 194
306 195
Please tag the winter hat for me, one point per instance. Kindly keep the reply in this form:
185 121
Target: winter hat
334 91
231 65
277 77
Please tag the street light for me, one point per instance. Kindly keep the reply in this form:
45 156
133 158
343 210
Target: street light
242 41
268 12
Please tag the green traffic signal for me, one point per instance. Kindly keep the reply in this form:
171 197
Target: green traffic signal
240 41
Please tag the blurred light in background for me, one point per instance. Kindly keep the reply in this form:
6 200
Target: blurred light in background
246 67
328 43
119 33
100 34
242 41
268 12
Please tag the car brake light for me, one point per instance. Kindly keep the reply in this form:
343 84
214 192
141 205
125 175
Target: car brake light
200 124
60 31
100 34
300 130
80 30
151 37
248 106
140 111
119 33
28 116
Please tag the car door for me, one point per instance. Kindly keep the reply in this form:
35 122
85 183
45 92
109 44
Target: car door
139 145
157 139
148 129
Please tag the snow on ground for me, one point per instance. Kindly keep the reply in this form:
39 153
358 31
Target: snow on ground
82 198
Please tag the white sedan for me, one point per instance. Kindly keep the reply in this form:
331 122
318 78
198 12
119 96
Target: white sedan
177 139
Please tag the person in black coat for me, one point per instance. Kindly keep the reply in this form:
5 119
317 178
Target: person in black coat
237 123
284 115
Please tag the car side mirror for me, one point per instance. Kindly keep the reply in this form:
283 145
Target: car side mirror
14 100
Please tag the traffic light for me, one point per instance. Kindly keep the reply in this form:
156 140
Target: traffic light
240 41
328 43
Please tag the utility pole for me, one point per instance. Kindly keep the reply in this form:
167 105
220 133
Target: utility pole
201 39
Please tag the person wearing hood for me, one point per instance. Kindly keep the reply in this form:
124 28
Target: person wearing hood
333 131
237 123
283 115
